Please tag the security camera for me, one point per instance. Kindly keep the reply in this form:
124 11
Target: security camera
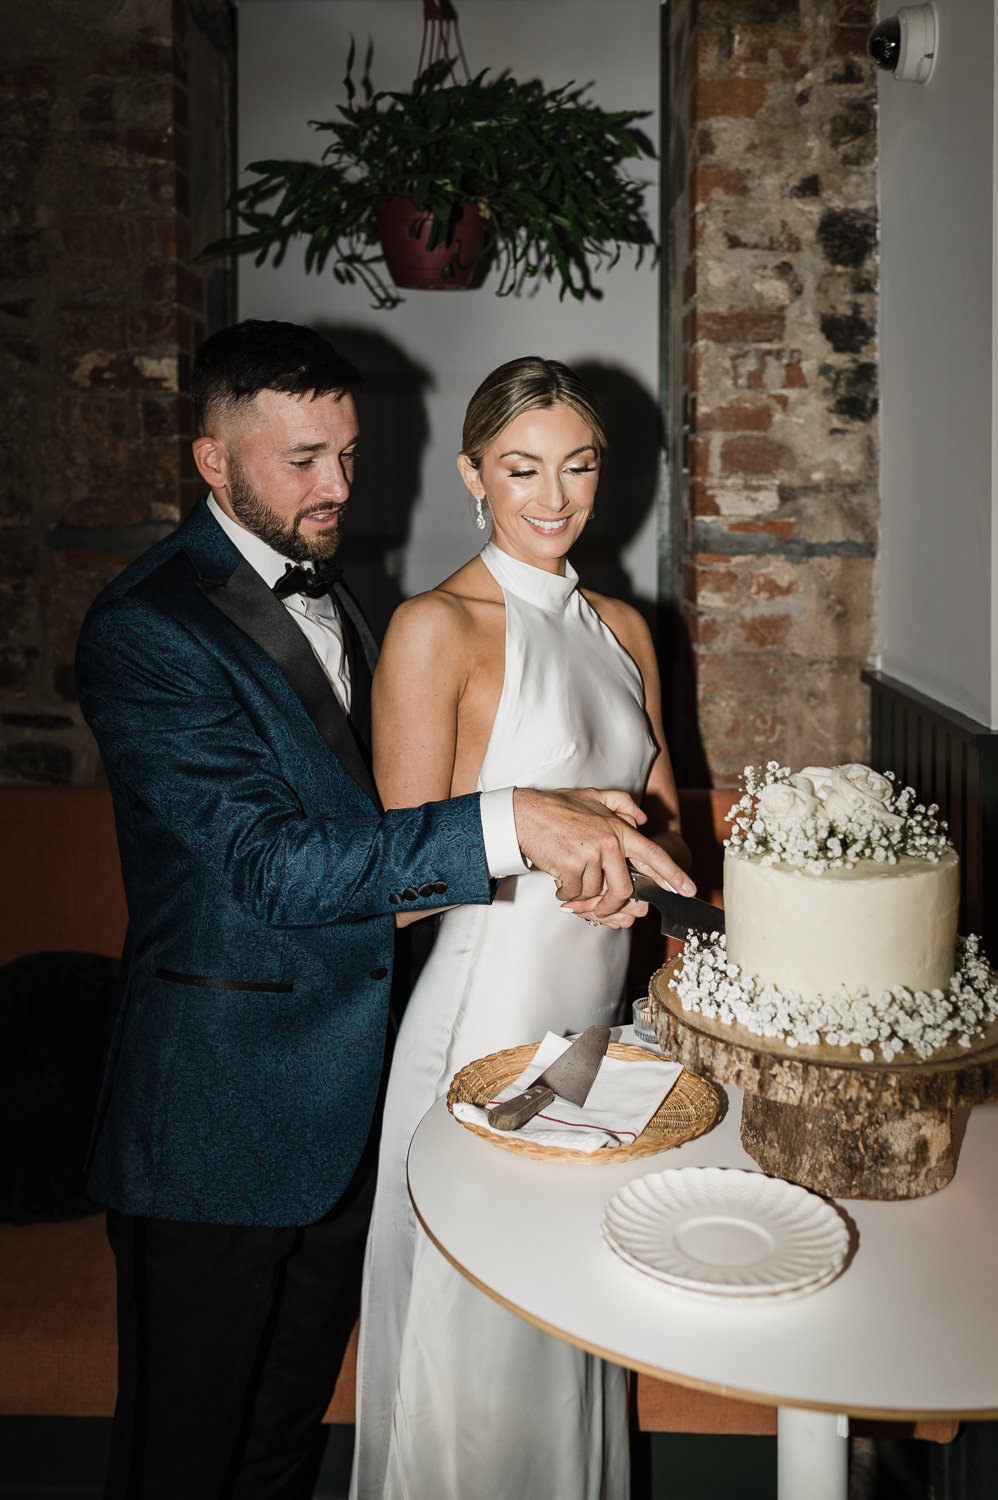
905 45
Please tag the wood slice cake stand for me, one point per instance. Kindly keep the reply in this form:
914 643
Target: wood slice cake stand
823 1118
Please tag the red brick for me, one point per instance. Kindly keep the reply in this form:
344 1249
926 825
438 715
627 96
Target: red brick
750 326
765 586
738 416
850 41
784 529
95 418
86 325
160 417
699 449
765 630
100 235
756 43
157 236
31 80
753 455
704 502
703 630
794 377
731 98
151 145
716 580
718 179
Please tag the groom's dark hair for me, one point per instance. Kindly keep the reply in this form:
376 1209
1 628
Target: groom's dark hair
235 364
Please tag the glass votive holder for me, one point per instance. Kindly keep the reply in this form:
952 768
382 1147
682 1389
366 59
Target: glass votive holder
643 1028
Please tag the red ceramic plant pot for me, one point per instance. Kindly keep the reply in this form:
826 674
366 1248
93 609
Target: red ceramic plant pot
404 231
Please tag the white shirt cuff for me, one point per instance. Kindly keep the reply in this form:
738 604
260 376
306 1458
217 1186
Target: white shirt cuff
502 850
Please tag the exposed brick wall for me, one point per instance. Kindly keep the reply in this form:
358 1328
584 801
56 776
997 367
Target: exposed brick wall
100 310
773 331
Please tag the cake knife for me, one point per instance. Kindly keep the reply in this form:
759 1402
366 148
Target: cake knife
570 1076
679 915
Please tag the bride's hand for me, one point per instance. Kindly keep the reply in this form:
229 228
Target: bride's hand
626 917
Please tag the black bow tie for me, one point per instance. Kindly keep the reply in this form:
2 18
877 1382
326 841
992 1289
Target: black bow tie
314 582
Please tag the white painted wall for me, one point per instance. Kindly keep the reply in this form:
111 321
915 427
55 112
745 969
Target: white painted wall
426 357
938 625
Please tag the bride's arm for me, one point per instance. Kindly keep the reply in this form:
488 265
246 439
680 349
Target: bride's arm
414 706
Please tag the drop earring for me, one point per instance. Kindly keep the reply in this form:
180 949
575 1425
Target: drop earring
480 520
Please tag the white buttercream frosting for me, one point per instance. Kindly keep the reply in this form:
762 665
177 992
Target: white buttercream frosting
867 928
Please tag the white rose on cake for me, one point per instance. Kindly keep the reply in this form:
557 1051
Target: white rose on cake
820 778
848 791
783 804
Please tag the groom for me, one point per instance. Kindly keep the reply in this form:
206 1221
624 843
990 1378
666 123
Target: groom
226 677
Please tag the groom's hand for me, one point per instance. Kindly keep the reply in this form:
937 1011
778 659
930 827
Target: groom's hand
586 839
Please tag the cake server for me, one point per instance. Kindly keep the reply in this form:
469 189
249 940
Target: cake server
570 1076
679 915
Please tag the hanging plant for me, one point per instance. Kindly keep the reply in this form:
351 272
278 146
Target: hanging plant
544 169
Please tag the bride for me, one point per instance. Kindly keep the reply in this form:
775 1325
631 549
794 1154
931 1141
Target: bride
508 673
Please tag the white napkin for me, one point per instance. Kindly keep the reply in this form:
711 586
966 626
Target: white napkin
622 1100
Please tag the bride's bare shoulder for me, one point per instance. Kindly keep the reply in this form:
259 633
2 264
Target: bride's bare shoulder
466 601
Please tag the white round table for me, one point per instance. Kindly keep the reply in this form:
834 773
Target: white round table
908 1331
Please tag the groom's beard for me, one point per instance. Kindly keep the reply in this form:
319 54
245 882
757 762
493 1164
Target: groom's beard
283 535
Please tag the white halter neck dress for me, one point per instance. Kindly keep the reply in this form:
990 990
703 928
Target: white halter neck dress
459 1399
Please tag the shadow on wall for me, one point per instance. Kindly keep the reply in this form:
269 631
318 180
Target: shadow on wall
627 493
394 429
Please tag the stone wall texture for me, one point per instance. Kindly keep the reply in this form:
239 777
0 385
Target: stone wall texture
100 310
773 406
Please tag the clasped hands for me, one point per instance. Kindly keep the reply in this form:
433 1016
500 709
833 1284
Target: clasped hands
587 840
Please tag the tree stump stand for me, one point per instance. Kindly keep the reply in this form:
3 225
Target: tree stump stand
823 1118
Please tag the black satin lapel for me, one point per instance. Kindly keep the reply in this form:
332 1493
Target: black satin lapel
362 654
348 603
248 603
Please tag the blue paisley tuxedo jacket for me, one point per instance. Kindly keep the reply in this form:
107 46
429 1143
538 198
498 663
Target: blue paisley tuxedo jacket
262 878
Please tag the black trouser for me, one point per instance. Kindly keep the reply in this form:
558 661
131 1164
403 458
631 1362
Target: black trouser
229 1343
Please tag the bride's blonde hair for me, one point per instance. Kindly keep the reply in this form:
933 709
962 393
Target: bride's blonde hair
525 385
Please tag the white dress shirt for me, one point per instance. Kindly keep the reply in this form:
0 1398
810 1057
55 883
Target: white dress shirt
319 622
317 619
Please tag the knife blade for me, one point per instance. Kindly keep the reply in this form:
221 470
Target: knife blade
679 915
570 1076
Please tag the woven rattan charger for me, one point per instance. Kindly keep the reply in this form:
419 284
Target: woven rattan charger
690 1107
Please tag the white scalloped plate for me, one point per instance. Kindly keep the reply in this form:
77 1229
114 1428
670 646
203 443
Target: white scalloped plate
726 1232
722 1295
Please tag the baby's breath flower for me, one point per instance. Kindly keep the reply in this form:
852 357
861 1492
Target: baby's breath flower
891 1021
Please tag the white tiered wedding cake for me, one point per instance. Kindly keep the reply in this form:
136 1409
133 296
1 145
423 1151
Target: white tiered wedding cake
841 896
